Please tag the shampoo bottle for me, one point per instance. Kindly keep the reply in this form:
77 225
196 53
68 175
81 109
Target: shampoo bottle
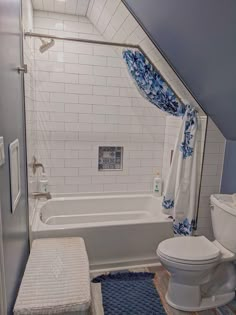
157 185
43 183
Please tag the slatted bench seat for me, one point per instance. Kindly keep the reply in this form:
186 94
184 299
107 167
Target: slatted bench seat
56 279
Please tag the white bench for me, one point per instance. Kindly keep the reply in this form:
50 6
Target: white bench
56 279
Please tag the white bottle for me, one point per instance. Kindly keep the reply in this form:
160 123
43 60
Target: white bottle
157 185
43 183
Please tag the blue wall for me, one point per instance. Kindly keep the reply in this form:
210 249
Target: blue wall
15 226
198 38
229 173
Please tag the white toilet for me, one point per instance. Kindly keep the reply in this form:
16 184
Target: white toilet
202 273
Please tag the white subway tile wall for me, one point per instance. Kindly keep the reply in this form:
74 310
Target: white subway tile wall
212 174
85 99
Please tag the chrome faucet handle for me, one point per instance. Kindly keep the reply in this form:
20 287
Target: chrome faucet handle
34 164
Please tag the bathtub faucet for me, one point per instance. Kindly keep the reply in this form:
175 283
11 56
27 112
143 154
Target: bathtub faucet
35 165
38 195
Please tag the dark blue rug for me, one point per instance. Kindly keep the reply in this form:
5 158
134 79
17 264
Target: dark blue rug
130 293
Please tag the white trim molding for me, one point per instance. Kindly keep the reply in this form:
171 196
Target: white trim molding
3 308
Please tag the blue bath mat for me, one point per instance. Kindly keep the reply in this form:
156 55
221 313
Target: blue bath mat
130 293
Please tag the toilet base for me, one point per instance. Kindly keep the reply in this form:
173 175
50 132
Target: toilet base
205 303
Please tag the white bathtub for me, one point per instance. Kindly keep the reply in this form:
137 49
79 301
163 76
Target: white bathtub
118 229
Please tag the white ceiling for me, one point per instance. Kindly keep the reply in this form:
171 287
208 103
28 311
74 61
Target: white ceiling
77 7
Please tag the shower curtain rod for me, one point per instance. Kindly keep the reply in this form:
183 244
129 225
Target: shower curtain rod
88 41
105 43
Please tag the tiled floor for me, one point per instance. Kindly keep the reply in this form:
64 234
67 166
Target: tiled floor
161 282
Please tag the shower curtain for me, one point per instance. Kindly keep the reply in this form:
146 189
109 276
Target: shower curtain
180 193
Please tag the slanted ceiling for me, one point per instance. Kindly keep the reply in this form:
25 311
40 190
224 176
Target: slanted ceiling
76 7
198 38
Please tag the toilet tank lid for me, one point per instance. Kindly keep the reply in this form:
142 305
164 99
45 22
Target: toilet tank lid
225 202
189 248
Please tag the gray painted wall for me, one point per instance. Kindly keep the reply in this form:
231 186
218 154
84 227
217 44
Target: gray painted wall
228 185
198 38
15 227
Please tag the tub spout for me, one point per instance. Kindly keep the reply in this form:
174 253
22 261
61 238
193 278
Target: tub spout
39 195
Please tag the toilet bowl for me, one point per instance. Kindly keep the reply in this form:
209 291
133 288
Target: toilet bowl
202 273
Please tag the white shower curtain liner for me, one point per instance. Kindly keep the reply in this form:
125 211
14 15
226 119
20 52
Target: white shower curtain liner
180 195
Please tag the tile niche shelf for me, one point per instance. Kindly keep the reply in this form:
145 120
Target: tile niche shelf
110 158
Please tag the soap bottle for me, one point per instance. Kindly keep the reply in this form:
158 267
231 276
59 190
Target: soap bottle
157 185
43 183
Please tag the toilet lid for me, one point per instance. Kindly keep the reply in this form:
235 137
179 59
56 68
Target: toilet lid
189 248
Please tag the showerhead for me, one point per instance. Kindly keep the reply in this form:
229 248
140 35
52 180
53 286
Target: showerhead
46 45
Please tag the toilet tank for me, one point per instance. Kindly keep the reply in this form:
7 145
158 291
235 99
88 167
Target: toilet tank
223 215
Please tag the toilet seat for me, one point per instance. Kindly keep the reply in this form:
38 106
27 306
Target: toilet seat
189 250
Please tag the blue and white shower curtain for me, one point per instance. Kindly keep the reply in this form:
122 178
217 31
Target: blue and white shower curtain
180 193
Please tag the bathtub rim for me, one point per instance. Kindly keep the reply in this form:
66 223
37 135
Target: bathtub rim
38 225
